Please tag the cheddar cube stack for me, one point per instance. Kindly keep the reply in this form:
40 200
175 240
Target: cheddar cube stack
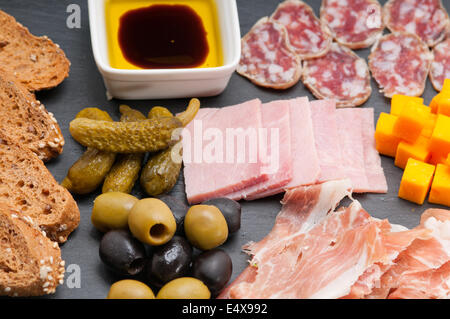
418 137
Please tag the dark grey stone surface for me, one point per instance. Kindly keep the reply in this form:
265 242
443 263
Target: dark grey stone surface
84 88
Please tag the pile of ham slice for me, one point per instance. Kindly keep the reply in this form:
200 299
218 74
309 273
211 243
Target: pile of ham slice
316 251
299 143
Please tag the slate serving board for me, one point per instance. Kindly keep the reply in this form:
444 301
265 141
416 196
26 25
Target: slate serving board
84 88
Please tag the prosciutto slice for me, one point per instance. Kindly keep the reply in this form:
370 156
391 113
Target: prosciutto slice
337 248
422 263
315 251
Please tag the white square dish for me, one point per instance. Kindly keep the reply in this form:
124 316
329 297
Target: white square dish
167 83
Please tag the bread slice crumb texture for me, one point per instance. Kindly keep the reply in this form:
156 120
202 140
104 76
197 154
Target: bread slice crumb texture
30 263
36 62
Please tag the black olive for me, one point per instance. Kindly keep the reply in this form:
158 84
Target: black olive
213 267
169 261
179 210
121 252
230 209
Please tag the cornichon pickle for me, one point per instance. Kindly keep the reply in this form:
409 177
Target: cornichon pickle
130 137
159 111
191 111
151 135
160 173
88 172
125 171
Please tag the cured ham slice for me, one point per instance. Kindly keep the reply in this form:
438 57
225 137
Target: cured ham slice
399 63
349 125
323 263
433 284
275 151
440 67
395 241
353 23
425 18
307 35
315 251
340 75
310 254
323 114
267 59
420 260
211 167
303 208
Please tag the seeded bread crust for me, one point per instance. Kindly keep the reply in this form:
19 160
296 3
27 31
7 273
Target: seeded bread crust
27 185
26 121
30 263
36 62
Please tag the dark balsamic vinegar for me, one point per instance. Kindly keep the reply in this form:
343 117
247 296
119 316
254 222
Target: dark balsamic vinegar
163 37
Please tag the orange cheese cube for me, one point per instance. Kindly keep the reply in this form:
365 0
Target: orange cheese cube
416 181
440 188
435 101
444 105
436 158
399 101
411 121
385 141
440 139
430 123
420 150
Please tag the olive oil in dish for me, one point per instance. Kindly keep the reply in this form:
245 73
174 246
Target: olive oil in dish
163 34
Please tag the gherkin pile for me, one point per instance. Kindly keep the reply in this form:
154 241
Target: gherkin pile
116 150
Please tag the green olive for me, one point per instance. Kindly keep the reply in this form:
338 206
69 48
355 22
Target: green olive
152 222
130 289
205 227
184 288
111 211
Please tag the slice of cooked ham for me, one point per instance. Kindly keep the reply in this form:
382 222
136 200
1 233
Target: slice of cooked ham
275 152
305 162
372 161
349 124
207 177
326 137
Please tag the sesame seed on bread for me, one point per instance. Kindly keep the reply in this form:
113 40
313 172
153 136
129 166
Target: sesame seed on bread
25 120
36 62
27 185
30 263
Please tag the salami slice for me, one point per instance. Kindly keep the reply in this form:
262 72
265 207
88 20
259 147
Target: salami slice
267 58
340 75
354 23
440 67
400 62
307 35
425 18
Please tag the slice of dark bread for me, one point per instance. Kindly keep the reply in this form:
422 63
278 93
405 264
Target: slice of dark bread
30 263
36 62
25 120
27 185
